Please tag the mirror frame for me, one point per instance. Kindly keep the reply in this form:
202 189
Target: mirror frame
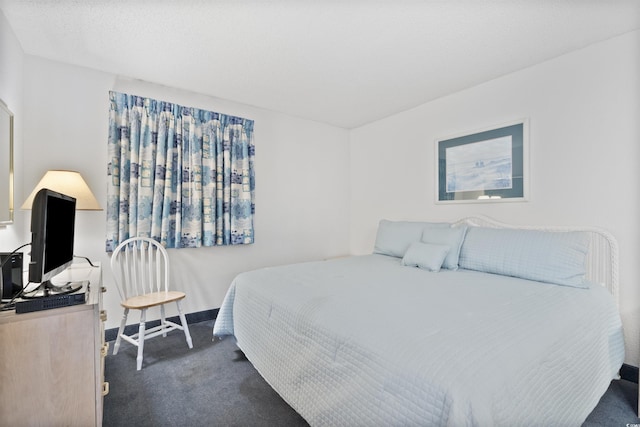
8 221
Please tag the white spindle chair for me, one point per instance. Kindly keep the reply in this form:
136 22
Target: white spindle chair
141 269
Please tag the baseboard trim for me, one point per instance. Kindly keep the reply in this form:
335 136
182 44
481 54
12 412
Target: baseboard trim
629 373
200 316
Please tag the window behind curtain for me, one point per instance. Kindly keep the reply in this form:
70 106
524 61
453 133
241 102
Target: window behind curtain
180 175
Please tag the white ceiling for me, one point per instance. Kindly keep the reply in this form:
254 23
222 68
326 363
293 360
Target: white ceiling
344 63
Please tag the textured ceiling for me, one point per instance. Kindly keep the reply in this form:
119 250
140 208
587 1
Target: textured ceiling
345 63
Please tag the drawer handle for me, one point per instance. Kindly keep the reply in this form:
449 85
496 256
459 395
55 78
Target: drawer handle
103 315
105 388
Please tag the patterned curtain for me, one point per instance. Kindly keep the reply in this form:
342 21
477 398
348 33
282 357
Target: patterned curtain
180 175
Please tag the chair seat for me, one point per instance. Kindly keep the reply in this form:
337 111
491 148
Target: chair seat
150 300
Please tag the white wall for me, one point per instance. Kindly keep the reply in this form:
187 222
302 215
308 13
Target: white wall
301 175
583 109
11 70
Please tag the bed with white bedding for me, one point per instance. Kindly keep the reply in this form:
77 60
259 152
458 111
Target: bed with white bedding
381 339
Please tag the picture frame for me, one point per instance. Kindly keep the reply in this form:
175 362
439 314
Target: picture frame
489 165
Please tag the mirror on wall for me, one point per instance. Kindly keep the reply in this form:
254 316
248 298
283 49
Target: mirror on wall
6 164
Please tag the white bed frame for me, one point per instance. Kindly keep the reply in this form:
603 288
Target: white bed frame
602 258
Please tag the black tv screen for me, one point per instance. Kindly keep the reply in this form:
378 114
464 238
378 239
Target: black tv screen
52 231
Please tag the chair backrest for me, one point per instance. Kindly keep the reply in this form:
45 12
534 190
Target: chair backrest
140 266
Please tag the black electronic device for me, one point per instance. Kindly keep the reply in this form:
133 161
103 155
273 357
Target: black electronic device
53 217
11 277
53 300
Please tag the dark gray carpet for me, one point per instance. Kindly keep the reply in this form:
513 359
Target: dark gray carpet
214 385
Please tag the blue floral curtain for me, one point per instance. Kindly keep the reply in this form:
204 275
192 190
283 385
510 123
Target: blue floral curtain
180 175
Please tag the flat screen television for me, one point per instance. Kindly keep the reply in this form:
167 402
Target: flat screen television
53 218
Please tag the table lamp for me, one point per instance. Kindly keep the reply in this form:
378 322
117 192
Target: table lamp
66 182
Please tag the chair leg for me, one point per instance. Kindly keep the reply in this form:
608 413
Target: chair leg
162 321
143 314
185 326
123 322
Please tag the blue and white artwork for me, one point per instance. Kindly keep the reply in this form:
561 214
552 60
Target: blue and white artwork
480 166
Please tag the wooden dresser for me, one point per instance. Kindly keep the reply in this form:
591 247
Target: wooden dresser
52 361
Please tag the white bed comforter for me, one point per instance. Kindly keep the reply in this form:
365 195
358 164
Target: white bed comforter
364 341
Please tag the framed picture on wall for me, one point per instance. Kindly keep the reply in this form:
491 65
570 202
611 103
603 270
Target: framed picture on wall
490 165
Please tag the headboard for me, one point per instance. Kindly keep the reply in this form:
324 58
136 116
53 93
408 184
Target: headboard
602 258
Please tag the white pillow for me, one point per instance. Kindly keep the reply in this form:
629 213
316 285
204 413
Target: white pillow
394 237
451 237
545 256
425 255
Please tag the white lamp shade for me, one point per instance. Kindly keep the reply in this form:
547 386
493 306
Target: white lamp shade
70 183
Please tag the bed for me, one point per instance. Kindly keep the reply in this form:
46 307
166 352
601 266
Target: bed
471 323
